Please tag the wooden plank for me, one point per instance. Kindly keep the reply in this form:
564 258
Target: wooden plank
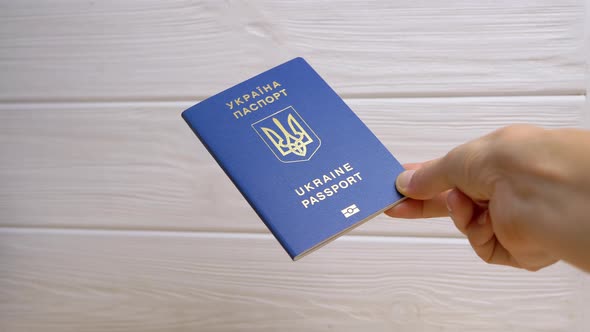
170 50
138 166
154 281
582 300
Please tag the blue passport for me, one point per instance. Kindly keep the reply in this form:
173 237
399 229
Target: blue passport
308 166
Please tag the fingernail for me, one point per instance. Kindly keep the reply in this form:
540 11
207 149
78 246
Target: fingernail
482 219
449 205
403 180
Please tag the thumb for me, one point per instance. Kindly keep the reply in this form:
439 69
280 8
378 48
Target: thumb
426 181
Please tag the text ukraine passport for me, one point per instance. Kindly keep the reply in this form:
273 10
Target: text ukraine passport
303 160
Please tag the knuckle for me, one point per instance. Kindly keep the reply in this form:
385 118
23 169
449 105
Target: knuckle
509 143
485 255
511 132
484 251
469 163
532 268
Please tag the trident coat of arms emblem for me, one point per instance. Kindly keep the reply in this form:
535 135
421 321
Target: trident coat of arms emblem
288 136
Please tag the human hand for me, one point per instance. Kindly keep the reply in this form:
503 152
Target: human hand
521 195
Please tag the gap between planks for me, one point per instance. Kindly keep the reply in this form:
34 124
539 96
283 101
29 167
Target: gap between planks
175 101
226 235
346 96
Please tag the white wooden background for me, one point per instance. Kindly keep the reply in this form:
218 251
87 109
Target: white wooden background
113 217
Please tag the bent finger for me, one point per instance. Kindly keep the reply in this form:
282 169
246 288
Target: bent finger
490 251
461 209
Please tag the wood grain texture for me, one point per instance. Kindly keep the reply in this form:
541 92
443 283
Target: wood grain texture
151 281
582 301
138 166
170 50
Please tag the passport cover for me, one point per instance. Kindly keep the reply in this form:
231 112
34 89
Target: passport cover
307 165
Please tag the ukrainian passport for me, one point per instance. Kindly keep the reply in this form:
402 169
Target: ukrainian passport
308 166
